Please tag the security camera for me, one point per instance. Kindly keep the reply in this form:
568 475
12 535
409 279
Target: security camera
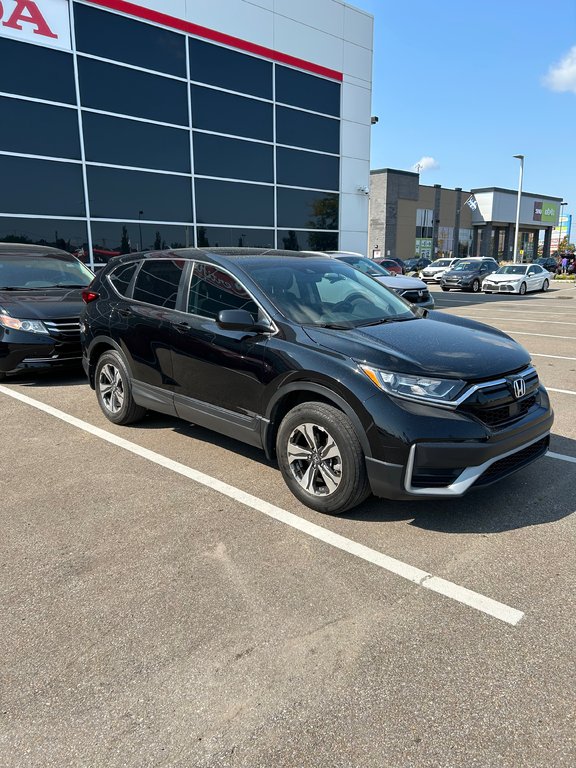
363 189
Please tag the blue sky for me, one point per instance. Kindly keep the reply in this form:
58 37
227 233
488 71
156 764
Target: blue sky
469 85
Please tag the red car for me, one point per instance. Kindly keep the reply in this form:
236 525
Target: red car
391 265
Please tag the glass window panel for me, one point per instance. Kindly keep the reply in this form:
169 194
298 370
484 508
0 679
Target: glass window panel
292 240
32 70
111 238
227 202
117 194
128 92
227 113
118 38
307 91
232 158
40 186
69 236
121 277
307 169
303 209
234 237
212 290
236 71
157 282
301 129
129 142
39 129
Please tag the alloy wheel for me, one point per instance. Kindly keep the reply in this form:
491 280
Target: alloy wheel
314 459
111 388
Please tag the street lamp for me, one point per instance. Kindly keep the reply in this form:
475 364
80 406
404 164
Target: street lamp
140 214
521 158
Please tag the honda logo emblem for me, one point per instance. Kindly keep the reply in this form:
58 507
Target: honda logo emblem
519 388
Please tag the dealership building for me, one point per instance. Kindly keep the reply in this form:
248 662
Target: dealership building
408 218
128 126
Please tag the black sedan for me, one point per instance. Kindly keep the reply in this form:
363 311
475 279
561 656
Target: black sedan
40 303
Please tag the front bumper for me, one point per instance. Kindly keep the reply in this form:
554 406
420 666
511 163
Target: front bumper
29 350
456 458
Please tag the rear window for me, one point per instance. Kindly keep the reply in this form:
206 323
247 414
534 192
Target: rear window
157 282
121 277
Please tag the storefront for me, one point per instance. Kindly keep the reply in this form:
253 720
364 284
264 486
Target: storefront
127 127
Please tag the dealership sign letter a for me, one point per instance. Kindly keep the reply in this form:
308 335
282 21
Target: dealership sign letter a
28 12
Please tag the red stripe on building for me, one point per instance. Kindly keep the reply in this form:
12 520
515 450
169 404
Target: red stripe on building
218 37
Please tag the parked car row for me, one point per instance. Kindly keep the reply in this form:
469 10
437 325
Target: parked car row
350 388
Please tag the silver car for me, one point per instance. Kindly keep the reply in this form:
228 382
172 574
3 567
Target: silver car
410 288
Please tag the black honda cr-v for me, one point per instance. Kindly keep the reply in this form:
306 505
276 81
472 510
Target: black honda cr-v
352 389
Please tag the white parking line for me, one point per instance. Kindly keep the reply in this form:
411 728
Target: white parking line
556 357
415 575
562 391
561 456
545 335
514 319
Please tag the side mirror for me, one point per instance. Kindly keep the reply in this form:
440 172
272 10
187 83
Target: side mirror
240 320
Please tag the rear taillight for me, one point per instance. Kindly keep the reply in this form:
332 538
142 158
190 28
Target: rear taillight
88 296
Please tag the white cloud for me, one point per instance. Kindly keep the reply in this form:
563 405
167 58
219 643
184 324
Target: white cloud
562 76
425 164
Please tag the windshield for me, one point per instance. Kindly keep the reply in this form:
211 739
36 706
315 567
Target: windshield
465 265
327 293
32 272
513 269
441 263
367 266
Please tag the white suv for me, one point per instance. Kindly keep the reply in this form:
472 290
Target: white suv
433 272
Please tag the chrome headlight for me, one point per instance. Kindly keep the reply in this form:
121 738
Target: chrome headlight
420 388
30 326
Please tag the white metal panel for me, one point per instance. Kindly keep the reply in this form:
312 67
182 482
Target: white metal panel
356 103
234 17
354 174
358 27
357 62
325 15
46 22
300 40
176 8
355 140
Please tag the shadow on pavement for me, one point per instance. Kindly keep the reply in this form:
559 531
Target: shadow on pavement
465 299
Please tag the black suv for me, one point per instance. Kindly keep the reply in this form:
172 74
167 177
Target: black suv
352 389
40 303
468 274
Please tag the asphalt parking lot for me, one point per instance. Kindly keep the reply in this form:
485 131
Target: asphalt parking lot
167 602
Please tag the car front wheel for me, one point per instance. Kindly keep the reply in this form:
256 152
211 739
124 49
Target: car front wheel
475 287
545 286
321 458
113 389
522 289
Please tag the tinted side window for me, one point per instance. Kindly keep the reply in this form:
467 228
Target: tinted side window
232 158
301 129
158 281
236 71
307 91
67 235
121 277
118 38
227 202
307 169
212 290
32 70
38 129
306 209
127 92
227 113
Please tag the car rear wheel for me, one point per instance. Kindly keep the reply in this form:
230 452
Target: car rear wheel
445 289
114 392
545 286
475 287
321 458
522 289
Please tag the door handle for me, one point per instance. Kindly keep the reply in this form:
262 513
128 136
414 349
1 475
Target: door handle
183 326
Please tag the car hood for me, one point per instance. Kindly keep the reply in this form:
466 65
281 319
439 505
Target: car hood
402 283
494 278
435 269
461 272
435 345
42 304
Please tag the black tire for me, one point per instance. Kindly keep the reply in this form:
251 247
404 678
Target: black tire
522 290
545 286
475 287
114 390
3 376
445 289
309 429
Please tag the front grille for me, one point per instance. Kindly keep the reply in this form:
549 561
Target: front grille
434 478
64 330
416 296
517 460
496 405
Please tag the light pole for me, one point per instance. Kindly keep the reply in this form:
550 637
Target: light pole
140 214
521 158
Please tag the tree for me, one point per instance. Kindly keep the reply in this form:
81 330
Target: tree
157 242
125 241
